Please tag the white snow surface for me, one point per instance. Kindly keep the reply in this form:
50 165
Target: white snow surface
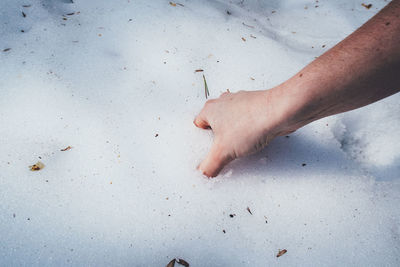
109 78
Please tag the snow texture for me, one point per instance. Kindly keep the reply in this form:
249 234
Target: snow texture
116 82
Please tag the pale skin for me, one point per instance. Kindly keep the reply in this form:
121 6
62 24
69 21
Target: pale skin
361 69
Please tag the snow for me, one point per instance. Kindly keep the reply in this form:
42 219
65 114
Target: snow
108 79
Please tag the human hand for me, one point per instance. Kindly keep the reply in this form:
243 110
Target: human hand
243 123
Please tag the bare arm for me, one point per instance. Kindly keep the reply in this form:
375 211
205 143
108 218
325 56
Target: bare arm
361 69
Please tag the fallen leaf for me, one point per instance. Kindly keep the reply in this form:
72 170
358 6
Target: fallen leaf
281 252
367 6
183 262
248 209
37 167
171 263
67 148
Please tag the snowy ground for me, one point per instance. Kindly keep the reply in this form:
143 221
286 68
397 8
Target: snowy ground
110 77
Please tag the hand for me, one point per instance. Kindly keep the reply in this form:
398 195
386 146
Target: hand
242 123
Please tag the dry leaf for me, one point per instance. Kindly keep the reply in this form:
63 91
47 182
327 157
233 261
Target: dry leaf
171 263
281 252
37 167
248 209
183 262
367 6
67 148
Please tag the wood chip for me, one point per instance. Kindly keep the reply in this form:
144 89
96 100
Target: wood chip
281 252
67 148
37 167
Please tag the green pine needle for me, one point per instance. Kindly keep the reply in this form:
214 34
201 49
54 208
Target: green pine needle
207 93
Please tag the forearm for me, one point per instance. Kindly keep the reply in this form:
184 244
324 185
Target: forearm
361 69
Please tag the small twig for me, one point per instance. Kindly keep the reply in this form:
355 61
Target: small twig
207 93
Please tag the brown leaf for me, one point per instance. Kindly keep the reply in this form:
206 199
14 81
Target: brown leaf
248 209
367 6
67 148
172 4
281 252
183 262
171 263
37 167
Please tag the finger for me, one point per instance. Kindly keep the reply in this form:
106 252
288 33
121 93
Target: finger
225 94
201 122
215 161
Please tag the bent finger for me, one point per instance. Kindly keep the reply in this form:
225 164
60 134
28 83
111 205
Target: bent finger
215 161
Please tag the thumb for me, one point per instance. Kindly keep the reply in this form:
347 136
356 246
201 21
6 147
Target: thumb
215 161
201 122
